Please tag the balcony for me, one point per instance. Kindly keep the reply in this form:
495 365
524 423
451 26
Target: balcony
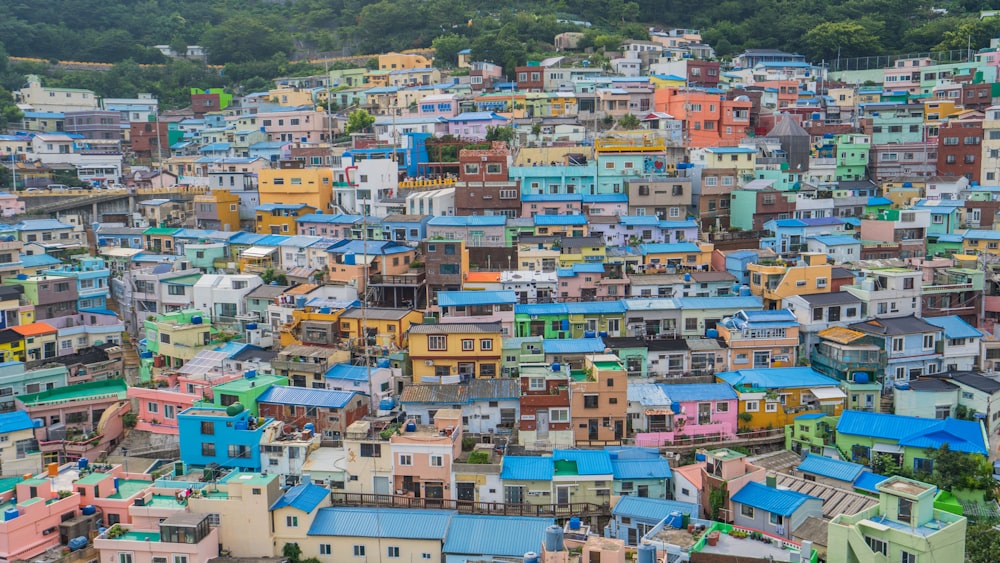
281 366
411 280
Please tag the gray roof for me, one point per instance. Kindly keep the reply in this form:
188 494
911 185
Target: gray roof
495 389
893 327
376 313
267 291
787 127
977 381
435 393
112 231
835 298
835 500
932 384
455 328
307 351
812 529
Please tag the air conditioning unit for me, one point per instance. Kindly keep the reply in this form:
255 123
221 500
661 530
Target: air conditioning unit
428 362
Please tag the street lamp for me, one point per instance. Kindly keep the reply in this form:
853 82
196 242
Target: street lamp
125 455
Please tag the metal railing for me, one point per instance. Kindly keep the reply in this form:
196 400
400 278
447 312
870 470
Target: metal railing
554 510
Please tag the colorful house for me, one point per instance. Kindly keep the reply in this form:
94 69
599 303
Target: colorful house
773 397
660 413
229 437
568 477
761 339
862 435
772 510
280 218
454 352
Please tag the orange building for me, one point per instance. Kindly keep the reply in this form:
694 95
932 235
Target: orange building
710 120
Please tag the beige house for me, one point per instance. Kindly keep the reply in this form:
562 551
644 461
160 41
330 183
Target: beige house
242 505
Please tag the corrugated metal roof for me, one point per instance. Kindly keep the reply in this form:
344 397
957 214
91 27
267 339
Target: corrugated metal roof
494 389
347 371
573 346
456 328
435 393
303 497
14 421
527 468
835 499
550 220
651 509
776 501
908 431
469 298
954 327
867 480
641 469
324 398
698 392
777 378
495 536
648 394
632 452
389 523
831 468
750 302
588 462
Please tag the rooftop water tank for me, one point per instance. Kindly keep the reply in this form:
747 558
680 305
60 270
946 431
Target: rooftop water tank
89 509
860 377
553 538
675 407
556 367
531 557
411 426
234 409
82 463
711 333
699 457
250 374
647 554
251 326
77 543
309 426
197 320
687 277
574 523
300 302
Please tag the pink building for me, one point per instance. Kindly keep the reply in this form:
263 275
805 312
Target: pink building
306 125
10 205
478 307
438 105
82 420
185 537
905 74
473 125
551 204
696 409
422 456
113 492
158 408
39 509
590 282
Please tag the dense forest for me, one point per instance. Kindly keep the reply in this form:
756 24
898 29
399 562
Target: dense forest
256 39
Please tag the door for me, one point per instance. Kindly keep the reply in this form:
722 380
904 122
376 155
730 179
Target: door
704 413
562 496
633 536
762 359
381 485
542 425
619 429
433 492
592 429
466 491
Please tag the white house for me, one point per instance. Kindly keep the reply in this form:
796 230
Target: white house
223 297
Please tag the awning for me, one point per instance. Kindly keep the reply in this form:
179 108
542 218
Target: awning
828 393
258 252
887 448
658 412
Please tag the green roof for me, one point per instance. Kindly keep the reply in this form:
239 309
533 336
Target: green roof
565 467
160 231
250 478
189 279
243 384
9 483
92 390
129 487
92 479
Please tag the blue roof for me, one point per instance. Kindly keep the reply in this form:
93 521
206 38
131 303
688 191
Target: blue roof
596 308
469 221
776 501
347 371
954 327
730 150
40 225
381 523
639 220
281 206
669 248
867 481
810 416
370 247
548 220
246 238
651 509
527 468
588 462
477 116
540 309
835 240
777 378
338 218
632 452
583 268
470 298
303 497
573 346
605 198
909 431
744 303
686 392
831 468
323 398
214 147
946 237
14 421
641 469
685 224
978 234
853 221
499 536
37 260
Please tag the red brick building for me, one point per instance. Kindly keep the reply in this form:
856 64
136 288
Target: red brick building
484 186
330 412
960 146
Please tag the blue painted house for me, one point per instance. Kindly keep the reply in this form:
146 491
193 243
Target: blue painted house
824 469
212 435
910 346
92 278
403 228
772 510
640 472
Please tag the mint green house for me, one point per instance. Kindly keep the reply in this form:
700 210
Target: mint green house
863 435
904 526
244 391
812 433
852 157
520 350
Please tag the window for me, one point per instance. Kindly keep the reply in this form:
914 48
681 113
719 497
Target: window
437 342
208 449
897 344
173 289
437 461
590 401
153 408
942 412
746 510
292 521
486 345
180 559
371 450
558 415
876 545
125 558
324 549
923 465
392 552
207 427
753 406
905 557
405 459
771 407
359 551
905 510
775 519
721 407
468 345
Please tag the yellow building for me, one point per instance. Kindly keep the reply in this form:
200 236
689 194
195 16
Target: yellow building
575 253
279 218
774 281
218 210
242 504
291 97
401 61
772 398
657 256
388 327
658 81
11 346
39 341
454 352
311 186
178 336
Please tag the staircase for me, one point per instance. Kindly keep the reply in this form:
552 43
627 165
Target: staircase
886 405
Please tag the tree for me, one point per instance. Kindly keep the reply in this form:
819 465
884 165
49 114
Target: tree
960 470
982 543
360 121
244 38
829 40
292 551
446 48
628 122
503 133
